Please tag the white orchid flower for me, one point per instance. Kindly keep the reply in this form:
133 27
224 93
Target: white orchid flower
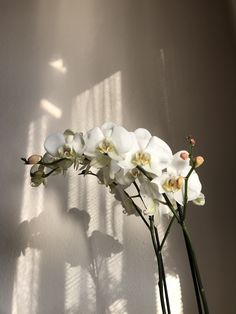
200 200
150 196
67 145
172 181
110 142
149 152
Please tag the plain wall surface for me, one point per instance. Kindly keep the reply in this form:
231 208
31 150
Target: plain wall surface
168 66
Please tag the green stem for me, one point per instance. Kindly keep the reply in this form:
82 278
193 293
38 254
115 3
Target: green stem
139 211
194 264
163 271
156 245
138 190
167 232
195 283
160 273
186 191
144 172
50 172
198 286
171 207
48 164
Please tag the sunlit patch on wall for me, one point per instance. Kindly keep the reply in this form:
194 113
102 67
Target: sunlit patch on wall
175 295
50 108
118 306
27 275
92 108
58 64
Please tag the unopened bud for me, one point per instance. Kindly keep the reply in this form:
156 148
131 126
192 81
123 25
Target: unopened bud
34 159
184 155
191 140
199 160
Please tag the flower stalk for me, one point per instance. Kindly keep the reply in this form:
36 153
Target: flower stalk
180 216
160 270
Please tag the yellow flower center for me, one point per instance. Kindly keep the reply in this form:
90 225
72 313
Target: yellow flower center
141 159
173 185
105 147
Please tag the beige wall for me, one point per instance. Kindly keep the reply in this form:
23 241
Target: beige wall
168 66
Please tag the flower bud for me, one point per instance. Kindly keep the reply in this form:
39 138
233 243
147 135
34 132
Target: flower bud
191 140
184 155
34 159
199 160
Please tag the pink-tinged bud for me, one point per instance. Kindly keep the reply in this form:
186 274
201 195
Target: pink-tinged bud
199 160
191 140
34 159
184 155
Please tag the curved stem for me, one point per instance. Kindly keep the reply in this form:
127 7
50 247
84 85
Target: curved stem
193 263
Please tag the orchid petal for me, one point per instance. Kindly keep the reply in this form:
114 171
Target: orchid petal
126 165
78 143
156 166
100 161
113 155
69 139
107 129
121 139
182 166
157 144
179 196
164 210
193 191
114 168
53 142
162 152
124 178
103 176
92 139
194 186
151 205
143 137
159 181
200 200
126 202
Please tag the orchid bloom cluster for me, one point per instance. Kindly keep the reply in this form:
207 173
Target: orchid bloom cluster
120 158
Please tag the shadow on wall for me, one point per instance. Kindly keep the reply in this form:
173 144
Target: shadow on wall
76 248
